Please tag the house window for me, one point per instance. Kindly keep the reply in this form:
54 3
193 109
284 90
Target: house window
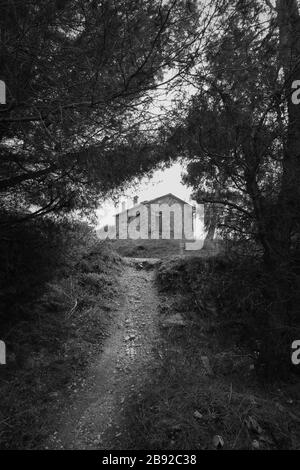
172 225
160 224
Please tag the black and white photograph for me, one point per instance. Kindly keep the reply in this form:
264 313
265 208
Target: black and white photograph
149 229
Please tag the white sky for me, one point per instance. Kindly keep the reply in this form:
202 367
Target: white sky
163 181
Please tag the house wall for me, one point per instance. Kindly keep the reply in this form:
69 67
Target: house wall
168 199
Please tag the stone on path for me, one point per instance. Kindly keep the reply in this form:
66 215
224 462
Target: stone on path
206 364
174 320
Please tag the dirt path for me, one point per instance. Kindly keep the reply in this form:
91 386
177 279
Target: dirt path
96 419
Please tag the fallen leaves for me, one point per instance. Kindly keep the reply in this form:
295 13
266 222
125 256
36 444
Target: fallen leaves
198 415
218 442
253 425
206 365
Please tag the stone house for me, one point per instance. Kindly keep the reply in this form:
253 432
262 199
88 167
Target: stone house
161 221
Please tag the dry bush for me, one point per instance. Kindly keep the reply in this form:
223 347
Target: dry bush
255 308
52 331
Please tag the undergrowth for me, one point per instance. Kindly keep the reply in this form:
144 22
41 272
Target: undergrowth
58 284
248 306
147 248
211 374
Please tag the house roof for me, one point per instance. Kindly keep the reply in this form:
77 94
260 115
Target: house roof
166 195
156 199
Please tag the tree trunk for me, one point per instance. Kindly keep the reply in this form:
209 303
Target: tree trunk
289 30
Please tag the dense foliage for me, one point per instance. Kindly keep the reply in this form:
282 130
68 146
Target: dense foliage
79 76
240 129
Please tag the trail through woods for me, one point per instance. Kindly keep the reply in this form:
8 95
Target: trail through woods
96 420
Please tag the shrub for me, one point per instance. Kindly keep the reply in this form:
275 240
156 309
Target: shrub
31 255
255 307
65 280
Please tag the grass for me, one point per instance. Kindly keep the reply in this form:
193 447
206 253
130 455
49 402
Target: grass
185 405
147 248
209 376
162 248
49 347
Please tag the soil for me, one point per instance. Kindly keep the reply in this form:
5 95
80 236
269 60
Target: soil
96 419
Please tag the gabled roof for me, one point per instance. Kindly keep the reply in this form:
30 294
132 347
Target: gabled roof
166 195
154 200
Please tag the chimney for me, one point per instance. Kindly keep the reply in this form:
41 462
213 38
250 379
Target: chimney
135 200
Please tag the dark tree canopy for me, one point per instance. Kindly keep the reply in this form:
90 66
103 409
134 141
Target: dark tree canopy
239 130
79 75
